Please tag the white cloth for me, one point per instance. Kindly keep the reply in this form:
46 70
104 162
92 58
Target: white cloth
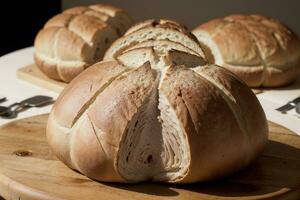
16 90
274 98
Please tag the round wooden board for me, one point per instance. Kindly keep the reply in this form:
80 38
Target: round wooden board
28 170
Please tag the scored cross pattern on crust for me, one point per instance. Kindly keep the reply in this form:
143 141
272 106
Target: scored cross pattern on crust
155 111
260 50
78 37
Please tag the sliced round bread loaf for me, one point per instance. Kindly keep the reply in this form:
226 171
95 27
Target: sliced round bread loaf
156 112
117 123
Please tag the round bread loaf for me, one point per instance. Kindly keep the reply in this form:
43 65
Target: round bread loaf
77 38
259 50
154 111
155 33
161 42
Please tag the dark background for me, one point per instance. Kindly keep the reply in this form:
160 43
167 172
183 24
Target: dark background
21 20
194 12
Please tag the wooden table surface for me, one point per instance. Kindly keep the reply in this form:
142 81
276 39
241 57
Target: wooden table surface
28 170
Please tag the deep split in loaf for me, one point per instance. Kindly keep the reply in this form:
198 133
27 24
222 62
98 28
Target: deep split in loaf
154 111
77 38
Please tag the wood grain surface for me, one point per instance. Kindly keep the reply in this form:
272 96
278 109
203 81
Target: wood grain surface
28 170
34 75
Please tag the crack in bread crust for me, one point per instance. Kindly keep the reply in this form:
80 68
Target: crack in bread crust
152 117
232 104
138 156
257 48
92 100
99 141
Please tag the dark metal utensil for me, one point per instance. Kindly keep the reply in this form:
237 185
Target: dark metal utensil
289 105
37 101
2 99
298 108
13 110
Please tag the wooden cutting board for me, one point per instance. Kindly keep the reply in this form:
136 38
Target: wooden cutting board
28 170
34 75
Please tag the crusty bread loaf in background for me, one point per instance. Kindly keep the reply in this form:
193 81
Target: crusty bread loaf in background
153 111
77 38
161 42
157 30
259 50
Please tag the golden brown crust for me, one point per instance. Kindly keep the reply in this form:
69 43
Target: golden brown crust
97 156
60 20
253 76
107 9
76 10
152 118
244 52
49 35
211 149
162 23
60 140
243 101
86 27
95 112
83 89
148 30
276 77
251 41
166 43
120 19
79 35
68 73
103 128
70 47
59 71
135 86
153 22
48 69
